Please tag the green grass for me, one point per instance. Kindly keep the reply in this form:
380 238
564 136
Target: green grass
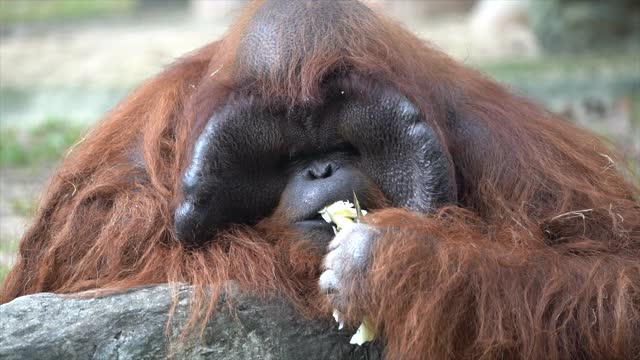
569 76
42 144
23 206
7 247
24 11
635 108
20 147
626 60
4 271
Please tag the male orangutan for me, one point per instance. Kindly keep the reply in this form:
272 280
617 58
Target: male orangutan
496 230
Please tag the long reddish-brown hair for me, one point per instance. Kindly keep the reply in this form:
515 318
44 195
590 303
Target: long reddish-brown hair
106 219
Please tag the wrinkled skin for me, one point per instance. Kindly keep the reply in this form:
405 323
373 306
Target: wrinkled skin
376 145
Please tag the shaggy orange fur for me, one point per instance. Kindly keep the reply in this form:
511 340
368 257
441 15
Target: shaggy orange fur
539 260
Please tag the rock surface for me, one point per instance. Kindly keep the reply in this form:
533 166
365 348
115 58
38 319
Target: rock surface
133 325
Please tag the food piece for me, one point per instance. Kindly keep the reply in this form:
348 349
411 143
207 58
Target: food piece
342 213
365 333
336 316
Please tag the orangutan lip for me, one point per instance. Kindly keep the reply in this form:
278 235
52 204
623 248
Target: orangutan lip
316 222
310 216
314 216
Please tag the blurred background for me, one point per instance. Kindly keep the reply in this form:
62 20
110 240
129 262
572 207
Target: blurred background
64 63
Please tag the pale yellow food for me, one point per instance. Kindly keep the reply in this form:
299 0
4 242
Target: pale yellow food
343 215
365 333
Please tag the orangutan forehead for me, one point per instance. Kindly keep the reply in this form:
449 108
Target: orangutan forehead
283 34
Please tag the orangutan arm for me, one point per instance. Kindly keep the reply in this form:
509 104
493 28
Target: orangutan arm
440 288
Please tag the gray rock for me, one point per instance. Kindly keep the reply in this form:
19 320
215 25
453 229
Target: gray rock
133 325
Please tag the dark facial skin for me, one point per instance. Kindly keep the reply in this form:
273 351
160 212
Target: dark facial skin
254 156
248 161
